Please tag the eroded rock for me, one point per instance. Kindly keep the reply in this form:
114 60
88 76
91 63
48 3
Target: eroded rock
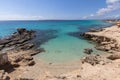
114 56
88 51
103 43
4 75
3 58
20 37
92 59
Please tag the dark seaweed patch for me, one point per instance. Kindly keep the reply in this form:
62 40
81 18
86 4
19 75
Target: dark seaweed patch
43 36
75 34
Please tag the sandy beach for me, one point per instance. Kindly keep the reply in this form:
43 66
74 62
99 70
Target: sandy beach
105 69
59 39
22 62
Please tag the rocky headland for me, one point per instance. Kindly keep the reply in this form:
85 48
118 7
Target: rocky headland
17 50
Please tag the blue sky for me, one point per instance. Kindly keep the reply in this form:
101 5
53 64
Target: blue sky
58 9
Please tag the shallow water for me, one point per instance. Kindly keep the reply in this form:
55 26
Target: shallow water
61 48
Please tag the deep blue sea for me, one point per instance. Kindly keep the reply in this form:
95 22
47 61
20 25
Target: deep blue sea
59 38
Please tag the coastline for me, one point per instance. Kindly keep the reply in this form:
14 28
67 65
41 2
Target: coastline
92 66
107 37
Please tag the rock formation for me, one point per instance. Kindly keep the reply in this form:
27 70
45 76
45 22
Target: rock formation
114 56
88 51
19 40
4 75
103 43
3 58
17 50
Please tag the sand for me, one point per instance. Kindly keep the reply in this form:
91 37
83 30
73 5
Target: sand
74 70
43 69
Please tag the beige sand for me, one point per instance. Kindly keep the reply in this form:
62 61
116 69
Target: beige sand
43 69
74 70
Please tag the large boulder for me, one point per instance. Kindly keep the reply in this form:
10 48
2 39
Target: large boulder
3 58
114 56
21 30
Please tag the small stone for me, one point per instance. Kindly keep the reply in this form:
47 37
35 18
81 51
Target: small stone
78 76
102 63
88 51
31 63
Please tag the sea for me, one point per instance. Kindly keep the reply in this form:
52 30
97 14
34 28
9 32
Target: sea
60 38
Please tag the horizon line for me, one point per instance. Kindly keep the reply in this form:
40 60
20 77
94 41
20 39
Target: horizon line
57 19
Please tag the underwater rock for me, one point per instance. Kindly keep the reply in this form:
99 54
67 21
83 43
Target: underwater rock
76 34
96 29
88 51
43 36
36 51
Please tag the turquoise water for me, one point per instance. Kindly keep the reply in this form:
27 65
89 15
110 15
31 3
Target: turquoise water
63 47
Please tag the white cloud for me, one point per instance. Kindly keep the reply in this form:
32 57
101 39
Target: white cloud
112 5
113 16
92 15
20 17
111 1
88 17
85 17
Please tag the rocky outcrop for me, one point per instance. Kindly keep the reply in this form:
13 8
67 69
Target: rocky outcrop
23 57
19 50
103 43
18 40
88 51
114 56
95 59
92 59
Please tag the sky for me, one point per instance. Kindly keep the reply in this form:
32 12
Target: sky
58 9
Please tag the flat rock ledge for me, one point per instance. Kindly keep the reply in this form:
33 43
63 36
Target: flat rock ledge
103 43
17 50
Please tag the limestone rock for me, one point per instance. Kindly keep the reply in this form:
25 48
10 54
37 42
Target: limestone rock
92 59
4 75
88 51
3 58
114 56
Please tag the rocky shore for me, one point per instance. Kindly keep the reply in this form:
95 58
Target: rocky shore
106 40
98 66
17 50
